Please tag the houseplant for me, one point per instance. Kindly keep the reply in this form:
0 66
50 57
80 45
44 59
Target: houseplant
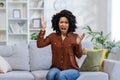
1 4
100 40
34 36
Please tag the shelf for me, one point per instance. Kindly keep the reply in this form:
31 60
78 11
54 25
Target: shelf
34 29
15 19
2 29
17 2
12 19
2 8
17 39
36 8
32 40
2 41
36 3
17 34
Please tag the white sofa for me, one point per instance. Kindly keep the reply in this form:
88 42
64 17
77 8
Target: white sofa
31 63
114 56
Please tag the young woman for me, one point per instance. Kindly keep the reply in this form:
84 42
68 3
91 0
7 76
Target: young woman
65 46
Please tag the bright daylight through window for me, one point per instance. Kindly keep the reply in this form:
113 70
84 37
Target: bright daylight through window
115 20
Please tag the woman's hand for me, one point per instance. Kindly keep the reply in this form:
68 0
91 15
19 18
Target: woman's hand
43 24
80 38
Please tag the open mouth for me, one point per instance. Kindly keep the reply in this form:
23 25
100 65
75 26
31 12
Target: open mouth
63 29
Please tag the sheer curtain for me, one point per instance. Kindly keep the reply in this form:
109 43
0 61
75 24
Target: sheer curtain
115 20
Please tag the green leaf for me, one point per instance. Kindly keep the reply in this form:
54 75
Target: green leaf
99 39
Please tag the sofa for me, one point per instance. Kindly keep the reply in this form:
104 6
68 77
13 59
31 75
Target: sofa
31 63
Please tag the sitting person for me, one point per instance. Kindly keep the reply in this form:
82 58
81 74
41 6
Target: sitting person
65 46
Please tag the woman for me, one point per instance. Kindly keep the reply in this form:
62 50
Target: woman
65 46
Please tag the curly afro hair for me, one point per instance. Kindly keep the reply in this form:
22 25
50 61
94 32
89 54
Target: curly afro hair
71 19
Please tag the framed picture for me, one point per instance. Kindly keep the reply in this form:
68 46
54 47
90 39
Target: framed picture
36 23
16 13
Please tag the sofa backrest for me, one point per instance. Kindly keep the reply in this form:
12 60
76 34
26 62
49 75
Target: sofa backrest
87 44
29 57
17 56
40 58
115 52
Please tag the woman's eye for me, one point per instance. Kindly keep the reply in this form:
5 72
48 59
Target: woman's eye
64 22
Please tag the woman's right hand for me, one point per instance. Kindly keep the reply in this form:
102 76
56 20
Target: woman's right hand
43 24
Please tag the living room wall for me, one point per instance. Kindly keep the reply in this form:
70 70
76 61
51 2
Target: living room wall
88 12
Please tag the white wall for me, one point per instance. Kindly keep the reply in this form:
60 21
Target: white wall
88 12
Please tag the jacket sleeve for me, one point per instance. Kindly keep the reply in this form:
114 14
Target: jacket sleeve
41 41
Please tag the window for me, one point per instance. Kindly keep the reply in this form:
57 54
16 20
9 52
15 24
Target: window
115 20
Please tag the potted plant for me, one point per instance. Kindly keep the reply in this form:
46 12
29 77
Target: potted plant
34 36
1 4
100 40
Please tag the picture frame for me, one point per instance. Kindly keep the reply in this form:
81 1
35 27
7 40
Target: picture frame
36 23
16 13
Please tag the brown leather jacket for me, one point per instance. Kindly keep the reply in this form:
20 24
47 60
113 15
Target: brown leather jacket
63 52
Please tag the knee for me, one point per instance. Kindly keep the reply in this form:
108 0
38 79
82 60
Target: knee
50 76
52 73
60 76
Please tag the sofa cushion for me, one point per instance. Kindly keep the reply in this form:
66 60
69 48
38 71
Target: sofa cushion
20 57
5 51
4 65
40 74
17 75
93 76
17 56
40 58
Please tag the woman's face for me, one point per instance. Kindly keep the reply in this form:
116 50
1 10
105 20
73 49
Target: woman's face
63 25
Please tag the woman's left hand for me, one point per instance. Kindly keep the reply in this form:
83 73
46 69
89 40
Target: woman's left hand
80 38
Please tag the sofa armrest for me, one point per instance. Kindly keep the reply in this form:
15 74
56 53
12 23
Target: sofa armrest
112 67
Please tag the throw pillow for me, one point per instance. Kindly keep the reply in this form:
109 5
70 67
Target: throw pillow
4 65
81 60
94 59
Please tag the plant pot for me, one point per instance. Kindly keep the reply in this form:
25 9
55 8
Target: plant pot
1 4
